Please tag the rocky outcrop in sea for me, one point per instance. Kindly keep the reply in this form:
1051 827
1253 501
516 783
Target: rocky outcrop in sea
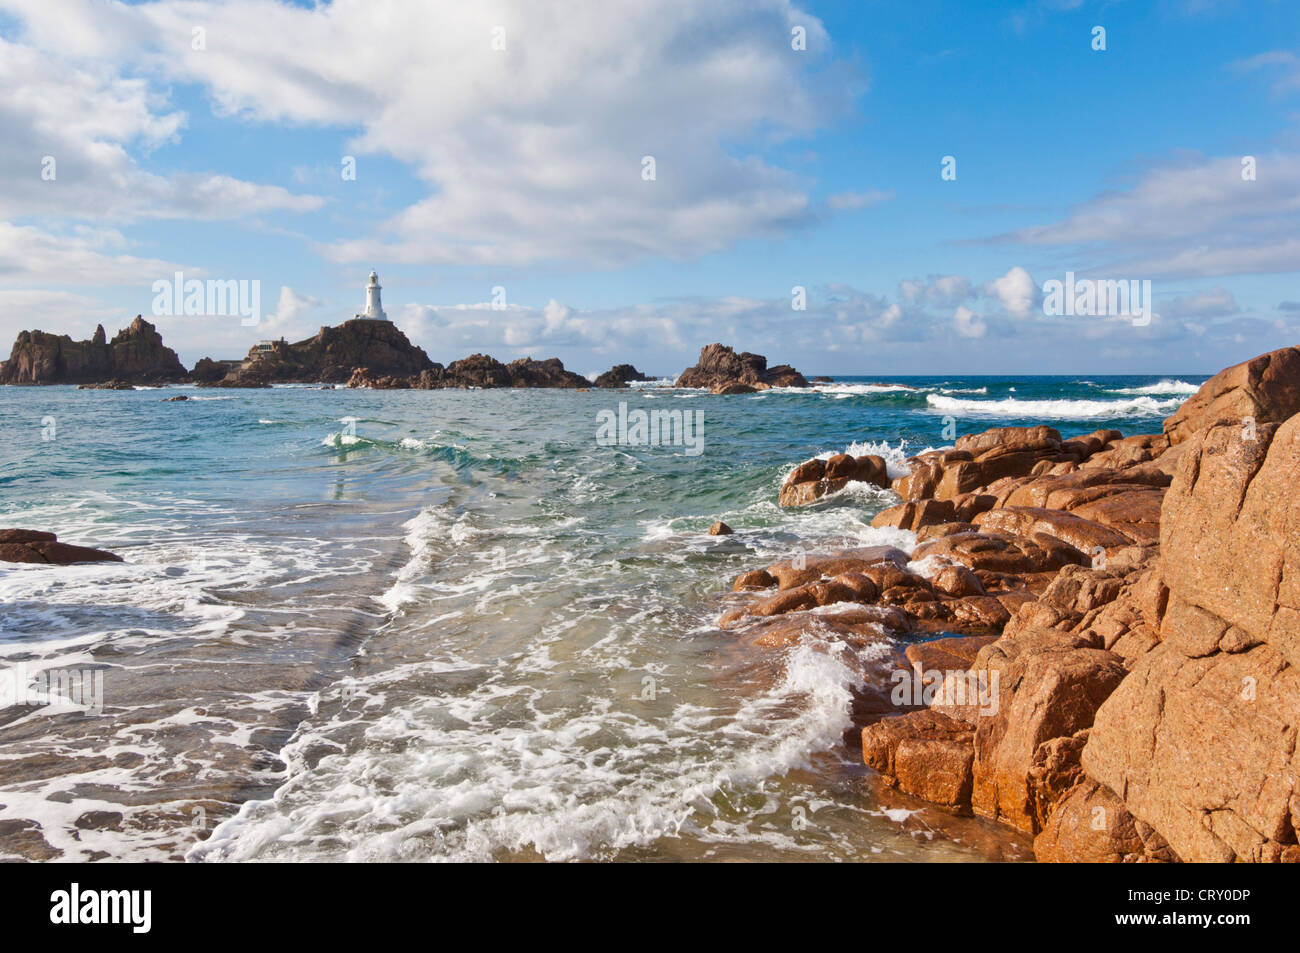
722 371
331 356
136 355
477 370
1105 630
620 375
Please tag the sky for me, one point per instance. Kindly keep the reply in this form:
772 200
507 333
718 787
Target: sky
855 188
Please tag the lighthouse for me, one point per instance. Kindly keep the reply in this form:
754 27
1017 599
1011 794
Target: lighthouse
374 310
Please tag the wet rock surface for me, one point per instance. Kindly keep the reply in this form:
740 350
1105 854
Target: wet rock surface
36 546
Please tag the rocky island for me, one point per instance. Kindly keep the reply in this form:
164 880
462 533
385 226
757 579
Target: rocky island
359 353
136 355
721 370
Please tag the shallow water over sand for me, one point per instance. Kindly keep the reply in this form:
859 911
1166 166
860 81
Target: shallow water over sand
455 627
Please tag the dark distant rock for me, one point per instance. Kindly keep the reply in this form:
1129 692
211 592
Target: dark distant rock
719 366
34 546
108 385
136 355
169 400
823 380
238 382
526 372
364 377
430 379
477 370
208 371
620 375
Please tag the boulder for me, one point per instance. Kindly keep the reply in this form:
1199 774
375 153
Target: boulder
1047 685
1230 540
923 753
1200 740
1091 825
35 546
1000 552
947 654
1265 388
814 479
1204 750
1084 535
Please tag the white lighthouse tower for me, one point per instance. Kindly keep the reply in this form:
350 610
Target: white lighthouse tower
374 310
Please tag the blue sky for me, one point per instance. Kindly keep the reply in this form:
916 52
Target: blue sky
521 168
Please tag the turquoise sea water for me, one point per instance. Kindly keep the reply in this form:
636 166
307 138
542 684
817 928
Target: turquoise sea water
434 625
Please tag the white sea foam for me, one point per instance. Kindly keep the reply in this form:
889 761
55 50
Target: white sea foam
469 785
847 389
1161 387
894 456
1061 409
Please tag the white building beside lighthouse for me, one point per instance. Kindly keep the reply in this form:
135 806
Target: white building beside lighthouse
374 310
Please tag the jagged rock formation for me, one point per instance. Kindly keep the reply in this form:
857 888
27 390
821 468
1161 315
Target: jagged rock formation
1132 607
136 355
723 371
620 375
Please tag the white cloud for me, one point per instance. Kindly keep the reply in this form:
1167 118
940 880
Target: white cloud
1017 291
1215 303
70 128
1192 218
39 310
83 256
967 323
529 154
1283 65
939 290
291 310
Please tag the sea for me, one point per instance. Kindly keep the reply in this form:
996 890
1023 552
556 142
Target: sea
363 625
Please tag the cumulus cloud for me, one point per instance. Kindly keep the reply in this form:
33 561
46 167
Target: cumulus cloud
941 290
70 129
1017 291
530 142
967 323
290 316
